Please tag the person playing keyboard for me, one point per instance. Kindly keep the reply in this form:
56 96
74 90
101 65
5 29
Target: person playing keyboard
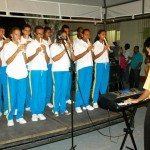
146 94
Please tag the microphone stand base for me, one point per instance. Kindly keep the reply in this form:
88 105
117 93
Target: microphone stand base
73 148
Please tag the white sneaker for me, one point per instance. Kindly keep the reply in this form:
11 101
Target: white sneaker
34 117
0 114
78 110
27 108
56 114
66 113
6 112
95 105
68 101
89 107
21 121
84 108
50 105
15 112
10 123
41 117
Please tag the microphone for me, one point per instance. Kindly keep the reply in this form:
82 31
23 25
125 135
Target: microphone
106 43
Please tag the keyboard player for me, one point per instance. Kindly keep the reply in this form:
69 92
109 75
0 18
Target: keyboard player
146 94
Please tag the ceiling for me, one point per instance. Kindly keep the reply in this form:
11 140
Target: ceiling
109 3
74 10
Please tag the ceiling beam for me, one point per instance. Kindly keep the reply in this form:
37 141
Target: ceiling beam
105 14
121 3
143 8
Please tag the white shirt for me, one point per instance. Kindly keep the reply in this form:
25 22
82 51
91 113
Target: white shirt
99 47
24 40
76 41
39 62
48 44
63 63
17 68
2 54
127 54
86 60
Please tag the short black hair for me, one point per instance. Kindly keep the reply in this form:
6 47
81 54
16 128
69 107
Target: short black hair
137 47
2 27
26 26
127 45
13 29
65 26
46 29
79 28
38 27
147 42
84 30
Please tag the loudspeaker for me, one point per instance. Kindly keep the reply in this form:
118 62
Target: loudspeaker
115 82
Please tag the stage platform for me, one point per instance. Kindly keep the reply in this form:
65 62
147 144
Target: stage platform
53 128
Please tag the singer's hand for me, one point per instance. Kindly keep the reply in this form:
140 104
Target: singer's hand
21 47
43 47
90 48
6 41
107 47
38 50
28 42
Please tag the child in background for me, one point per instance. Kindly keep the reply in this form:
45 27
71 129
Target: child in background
122 62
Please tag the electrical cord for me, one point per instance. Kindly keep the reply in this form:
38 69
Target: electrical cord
93 125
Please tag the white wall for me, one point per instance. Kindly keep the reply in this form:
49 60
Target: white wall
131 33
128 33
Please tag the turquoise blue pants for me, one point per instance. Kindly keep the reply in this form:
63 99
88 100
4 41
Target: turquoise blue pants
84 79
60 87
16 97
49 84
38 80
3 88
101 79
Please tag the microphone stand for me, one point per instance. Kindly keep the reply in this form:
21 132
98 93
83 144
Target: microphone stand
72 70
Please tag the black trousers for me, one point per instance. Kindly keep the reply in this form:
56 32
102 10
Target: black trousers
134 78
147 129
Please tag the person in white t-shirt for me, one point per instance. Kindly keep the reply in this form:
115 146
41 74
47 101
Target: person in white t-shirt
102 67
60 70
15 57
3 75
38 58
79 36
26 39
84 66
66 29
47 40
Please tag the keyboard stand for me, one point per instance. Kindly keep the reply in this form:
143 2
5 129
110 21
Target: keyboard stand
129 121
